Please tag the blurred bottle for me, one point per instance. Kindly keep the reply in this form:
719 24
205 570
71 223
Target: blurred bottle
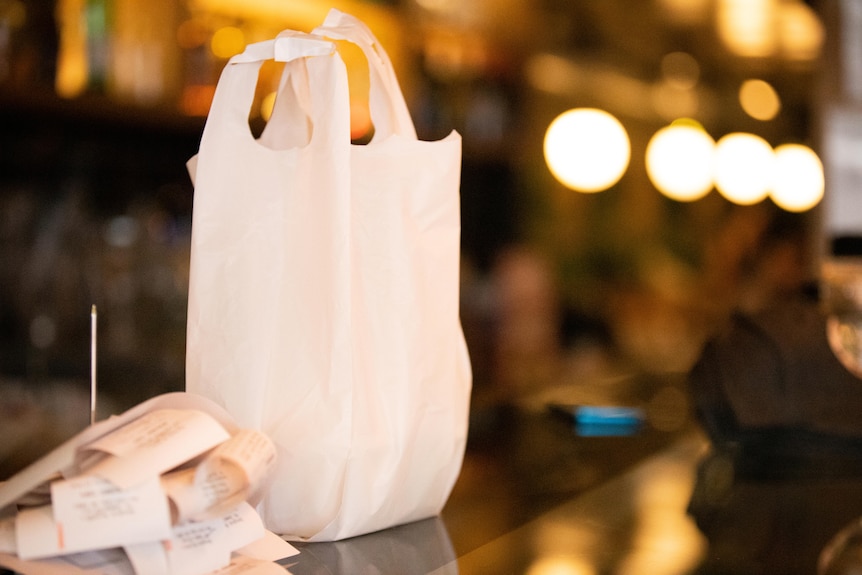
146 60
99 26
73 66
28 43
126 49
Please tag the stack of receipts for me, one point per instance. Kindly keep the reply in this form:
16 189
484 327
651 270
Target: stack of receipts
167 488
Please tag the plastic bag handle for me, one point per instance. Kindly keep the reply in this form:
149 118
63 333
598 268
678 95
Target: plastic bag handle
389 111
240 74
287 46
228 117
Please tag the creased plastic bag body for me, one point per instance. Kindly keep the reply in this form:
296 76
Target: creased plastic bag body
323 304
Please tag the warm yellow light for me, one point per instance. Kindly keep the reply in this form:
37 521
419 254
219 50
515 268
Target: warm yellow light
743 168
798 185
670 101
196 99
748 27
267 103
72 67
587 149
360 119
679 161
685 11
680 69
759 99
227 42
561 565
801 31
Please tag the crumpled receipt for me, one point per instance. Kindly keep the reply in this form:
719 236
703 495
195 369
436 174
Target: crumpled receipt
167 488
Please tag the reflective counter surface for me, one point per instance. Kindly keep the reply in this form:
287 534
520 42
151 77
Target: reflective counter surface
540 497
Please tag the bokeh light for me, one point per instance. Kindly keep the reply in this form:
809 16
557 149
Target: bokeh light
679 161
680 69
671 101
561 565
227 42
799 183
747 27
744 165
686 12
801 31
587 149
759 99
192 33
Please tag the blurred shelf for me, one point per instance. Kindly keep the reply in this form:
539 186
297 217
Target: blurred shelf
39 106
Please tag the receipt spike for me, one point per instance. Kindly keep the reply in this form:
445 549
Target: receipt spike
93 316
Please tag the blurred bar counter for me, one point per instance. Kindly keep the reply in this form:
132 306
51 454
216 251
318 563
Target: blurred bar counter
537 498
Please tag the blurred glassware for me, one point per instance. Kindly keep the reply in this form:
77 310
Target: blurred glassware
842 298
843 554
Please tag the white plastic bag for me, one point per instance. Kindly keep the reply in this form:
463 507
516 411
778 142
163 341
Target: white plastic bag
323 303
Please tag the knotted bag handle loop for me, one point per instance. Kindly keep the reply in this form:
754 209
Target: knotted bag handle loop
389 111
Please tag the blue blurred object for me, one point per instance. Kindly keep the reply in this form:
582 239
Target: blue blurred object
606 429
607 415
602 420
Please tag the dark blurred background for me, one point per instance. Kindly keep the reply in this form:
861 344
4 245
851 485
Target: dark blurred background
103 101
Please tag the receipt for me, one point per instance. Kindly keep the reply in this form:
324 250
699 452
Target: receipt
202 546
7 535
91 513
235 471
270 547
148 558
198 547
154 443
167 488
68 456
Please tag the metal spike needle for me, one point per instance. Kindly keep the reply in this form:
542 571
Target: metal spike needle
93 316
